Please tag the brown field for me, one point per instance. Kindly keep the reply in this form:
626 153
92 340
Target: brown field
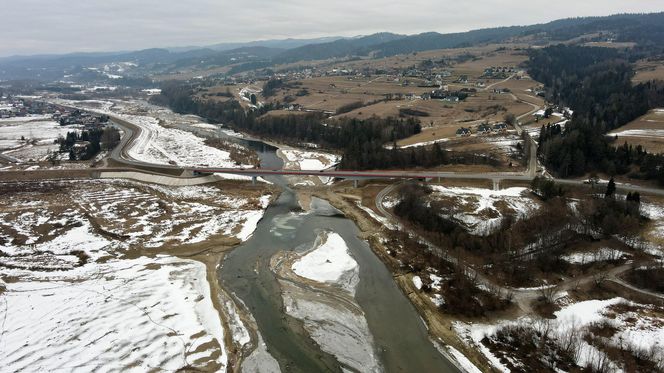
442 118
448 117
648 70
647 131
187 75
504 58
519 86
402 60
606 44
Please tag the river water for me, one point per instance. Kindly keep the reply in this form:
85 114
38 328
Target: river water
401 339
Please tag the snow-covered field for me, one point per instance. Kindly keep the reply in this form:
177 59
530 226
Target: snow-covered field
308 160
27 118
161 145
652 133
83 296
481 210
138 314
42 132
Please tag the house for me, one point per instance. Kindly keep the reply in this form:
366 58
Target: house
463 132
483 129
500 127
438 94
79 149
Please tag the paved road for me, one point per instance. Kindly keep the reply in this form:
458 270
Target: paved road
134 133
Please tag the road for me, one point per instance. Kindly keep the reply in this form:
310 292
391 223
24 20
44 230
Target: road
523 297
499 82
134 134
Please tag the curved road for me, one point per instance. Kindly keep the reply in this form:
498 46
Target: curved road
523 297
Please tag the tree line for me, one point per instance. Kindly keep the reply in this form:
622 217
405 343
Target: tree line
362 142
94 139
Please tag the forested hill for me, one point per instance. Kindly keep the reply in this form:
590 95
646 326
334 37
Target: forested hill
337 48
644 29
596 84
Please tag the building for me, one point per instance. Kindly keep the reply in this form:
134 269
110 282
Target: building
463 132
483 129
500 128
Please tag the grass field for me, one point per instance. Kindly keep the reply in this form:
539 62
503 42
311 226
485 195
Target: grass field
648 70
647 131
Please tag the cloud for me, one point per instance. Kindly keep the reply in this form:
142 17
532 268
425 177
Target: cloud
59 26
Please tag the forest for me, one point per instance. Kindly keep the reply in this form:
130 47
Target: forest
518 247
596 84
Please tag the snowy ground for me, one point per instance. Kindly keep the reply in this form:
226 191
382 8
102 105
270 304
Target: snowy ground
654 212
142 314
330 262
505 144
191 215
160 142
81 299
650 133
381 219
332 318
308 160
638 326
463 361
425 143
602 254
162 145
481 210
42 132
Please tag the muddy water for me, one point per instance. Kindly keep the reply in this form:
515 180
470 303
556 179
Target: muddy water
401 338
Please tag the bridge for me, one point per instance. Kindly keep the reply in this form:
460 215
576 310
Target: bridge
363 175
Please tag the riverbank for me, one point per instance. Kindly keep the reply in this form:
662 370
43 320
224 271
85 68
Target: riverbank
439 326
318 287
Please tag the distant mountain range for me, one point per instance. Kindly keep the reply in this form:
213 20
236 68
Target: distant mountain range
645 29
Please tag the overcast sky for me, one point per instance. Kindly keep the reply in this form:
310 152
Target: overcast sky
60 26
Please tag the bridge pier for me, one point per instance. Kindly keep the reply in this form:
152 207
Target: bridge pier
355 183
496 184
253 180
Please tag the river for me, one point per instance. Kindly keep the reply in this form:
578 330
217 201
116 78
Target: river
401 338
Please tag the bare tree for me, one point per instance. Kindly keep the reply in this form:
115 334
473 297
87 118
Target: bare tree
548 293
599 278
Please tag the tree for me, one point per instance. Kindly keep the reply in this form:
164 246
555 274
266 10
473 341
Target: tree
548 112
254 100
510 119
610 189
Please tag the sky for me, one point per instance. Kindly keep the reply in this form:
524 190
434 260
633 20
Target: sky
62 26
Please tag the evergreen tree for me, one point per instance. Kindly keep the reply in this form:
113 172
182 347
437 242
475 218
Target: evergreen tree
610 189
